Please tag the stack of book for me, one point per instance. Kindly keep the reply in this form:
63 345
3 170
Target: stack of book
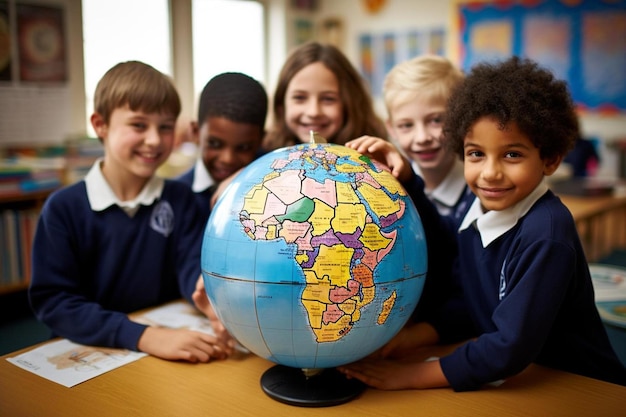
80 156
24 183
18 177
17 229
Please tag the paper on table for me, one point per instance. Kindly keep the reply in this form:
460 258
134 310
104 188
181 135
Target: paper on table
179 315
176 315
609 284
69 363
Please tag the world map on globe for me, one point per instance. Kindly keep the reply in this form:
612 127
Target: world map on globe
314 256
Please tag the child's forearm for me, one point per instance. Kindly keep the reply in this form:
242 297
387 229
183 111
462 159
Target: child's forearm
428 375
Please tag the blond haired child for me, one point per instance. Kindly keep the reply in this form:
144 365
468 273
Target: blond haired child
415 94
526 283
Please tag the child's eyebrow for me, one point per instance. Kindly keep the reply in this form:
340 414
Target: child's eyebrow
516 145
467 144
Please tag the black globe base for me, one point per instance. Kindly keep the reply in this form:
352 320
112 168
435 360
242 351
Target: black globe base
327 388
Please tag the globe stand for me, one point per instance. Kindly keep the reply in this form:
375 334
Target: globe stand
327 388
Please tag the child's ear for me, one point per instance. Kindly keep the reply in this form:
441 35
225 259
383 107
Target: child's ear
99 125
195 132
551 164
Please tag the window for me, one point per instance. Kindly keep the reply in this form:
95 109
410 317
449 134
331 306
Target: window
123 30
228 36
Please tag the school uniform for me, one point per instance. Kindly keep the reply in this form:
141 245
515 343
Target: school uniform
528 291
441 248
95 259
452 197
202 184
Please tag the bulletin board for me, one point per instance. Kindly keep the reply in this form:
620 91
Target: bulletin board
380 52
580 41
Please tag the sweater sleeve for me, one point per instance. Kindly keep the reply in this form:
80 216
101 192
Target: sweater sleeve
536 286
59 295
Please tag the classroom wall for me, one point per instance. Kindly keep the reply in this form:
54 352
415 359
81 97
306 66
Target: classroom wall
398 15
22 108
48 112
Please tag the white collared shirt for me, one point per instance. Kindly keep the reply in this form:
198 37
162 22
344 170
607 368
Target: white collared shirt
448 192
201 177
493 224
101 196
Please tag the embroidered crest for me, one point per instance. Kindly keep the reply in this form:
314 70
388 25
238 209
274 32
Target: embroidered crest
162 218
502 291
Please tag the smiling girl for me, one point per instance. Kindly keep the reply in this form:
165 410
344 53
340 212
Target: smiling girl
318 89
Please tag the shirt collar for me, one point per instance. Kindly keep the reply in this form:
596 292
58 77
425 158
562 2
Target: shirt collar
101 196
495 223
201 177
452 186
446 195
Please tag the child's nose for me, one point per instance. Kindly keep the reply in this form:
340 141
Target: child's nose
228 156
421 134
152 136
491 170
313 107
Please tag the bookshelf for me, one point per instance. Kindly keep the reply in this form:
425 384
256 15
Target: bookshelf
28 174
19 213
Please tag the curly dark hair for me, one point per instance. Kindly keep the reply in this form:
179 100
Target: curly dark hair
514 91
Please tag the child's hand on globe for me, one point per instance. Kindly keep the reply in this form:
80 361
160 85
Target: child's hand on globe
385 153
202 303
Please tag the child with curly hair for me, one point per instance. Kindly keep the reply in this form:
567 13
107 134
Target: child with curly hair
526 283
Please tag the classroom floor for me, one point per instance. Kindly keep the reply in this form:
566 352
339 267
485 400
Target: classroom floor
19 328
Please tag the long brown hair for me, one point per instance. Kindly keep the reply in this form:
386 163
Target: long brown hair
359 116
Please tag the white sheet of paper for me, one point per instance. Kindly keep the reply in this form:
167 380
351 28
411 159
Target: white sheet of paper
177 315
69 363
181 315
609 282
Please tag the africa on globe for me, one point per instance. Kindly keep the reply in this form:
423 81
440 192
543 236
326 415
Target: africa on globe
314 256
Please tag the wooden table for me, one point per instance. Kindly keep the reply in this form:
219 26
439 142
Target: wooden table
601 223
154 387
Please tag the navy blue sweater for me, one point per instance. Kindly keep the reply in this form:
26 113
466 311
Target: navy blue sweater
203 198
530 296
92 268
441 249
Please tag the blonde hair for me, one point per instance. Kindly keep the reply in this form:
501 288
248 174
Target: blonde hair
359 115
429 77
138 86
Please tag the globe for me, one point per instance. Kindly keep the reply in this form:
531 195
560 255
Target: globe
313 257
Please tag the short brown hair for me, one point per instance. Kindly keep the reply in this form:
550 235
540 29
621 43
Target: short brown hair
138 86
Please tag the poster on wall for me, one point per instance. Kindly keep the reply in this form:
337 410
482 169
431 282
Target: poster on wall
379 53
366 58
41 43
582 42
5 43
304 31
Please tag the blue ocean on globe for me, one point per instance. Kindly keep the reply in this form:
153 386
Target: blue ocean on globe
314 256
